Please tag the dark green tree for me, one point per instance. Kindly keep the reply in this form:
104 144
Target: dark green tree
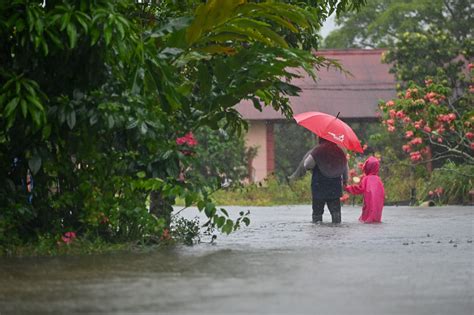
94 94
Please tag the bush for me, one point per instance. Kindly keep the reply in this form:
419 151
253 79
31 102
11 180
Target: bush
449 184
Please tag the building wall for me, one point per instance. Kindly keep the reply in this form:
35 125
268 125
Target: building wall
257 137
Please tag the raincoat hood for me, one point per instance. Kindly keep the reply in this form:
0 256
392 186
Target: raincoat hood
371 166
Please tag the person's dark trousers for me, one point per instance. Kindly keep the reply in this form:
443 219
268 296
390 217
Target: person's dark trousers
334 206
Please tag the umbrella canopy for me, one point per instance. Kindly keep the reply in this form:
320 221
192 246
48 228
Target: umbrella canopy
330 128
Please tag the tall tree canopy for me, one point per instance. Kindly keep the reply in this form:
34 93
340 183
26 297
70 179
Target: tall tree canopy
381 23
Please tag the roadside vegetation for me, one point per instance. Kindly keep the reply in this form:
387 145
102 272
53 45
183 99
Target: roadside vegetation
103 103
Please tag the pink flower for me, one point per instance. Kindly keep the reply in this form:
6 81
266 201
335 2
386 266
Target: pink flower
427 129
392 113
391 128
68 237
416 141
181 141
187 139
360 165
406 148
439 191
344 198
472 145
415 156
400 114
431 193
408 134
428 82
419 124
390 122
470 135
470 66
440 140
408 94
390 103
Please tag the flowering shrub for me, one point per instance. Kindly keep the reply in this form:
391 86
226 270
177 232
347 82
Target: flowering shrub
434 121
189 141
68 237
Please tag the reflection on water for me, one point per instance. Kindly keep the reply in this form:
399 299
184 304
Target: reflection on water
281 263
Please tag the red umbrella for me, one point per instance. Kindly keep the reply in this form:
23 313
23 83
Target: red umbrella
330 128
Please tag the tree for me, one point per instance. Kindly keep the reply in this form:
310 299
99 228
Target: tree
424 38
94 95
433 126
380 23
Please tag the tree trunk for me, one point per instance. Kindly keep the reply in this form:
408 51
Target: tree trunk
161 206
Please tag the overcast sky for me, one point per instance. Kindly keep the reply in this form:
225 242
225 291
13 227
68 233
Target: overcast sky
328 26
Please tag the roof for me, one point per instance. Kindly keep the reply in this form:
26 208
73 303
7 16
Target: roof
354 96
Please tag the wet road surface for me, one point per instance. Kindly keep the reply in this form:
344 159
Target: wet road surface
419 261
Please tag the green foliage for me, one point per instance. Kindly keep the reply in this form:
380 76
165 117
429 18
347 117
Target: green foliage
433 53
381 22
270 192
454 183
433 125
424 38
94 94
186 231
291 144
221 156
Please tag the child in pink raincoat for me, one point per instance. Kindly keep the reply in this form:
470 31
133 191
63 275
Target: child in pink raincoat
371 187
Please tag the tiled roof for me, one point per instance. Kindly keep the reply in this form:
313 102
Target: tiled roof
354 96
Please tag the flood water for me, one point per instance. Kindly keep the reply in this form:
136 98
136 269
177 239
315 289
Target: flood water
419 261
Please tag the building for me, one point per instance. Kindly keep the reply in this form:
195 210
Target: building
355 96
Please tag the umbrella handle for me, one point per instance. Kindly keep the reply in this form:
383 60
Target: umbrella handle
338 115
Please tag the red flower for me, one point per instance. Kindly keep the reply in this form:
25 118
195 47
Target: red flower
187 139
406 148
166 235
470 135
68 237
103 218
390 103
400 114
415 156
344 198
416 140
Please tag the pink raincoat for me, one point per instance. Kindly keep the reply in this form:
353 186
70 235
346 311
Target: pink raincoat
371 187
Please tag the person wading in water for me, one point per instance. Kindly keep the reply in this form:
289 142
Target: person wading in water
330 172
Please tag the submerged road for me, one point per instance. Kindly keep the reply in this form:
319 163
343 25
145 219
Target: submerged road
419 261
